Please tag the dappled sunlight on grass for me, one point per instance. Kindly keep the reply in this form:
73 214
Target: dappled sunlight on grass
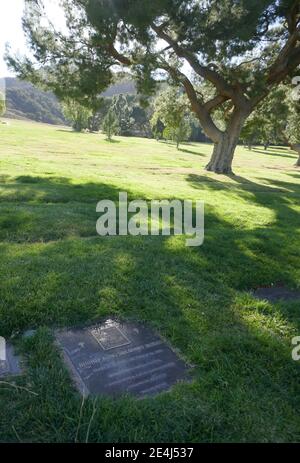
55 271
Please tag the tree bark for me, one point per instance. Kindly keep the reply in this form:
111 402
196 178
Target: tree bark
221 160
224 147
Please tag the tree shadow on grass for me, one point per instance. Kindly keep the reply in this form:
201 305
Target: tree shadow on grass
277 154
183 150
112 141
269 245
54 189
70 130
238 184
41 209
191 296
293 175
243 185
188 151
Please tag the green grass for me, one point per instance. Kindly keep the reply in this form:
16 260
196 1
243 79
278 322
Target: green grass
55 271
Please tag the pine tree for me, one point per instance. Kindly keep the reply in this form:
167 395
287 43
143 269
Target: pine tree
110 124
242 48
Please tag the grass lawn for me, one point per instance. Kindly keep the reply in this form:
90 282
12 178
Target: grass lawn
55 271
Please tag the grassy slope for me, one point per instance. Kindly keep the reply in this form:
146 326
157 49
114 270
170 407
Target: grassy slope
55 271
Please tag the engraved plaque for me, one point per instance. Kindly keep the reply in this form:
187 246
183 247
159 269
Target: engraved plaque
117 358
11 365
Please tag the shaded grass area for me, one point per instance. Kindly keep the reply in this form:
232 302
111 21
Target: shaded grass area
55 272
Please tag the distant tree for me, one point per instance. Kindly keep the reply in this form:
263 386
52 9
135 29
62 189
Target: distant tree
265 124
141 117
172 108
249 133
110 124
96 120
158 128
258 130
276 120
77 114
178 133
123 110
95 105
291 129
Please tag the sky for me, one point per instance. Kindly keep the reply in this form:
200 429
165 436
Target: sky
11 28
11 31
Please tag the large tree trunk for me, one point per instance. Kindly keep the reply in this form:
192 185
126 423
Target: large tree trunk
221 160
224 148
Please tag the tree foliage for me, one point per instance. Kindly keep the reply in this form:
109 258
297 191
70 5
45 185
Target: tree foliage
291 126
292 123
266 124
77 114
178 133
276 120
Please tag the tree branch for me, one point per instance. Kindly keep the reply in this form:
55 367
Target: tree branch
284 61
215 102
214 77
199 109
118 56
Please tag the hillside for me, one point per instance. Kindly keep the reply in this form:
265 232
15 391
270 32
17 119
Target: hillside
25 101
126 87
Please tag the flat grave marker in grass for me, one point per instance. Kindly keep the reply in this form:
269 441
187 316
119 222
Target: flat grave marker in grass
10 366
115 358
276 294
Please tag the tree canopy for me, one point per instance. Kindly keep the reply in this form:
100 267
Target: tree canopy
242 48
